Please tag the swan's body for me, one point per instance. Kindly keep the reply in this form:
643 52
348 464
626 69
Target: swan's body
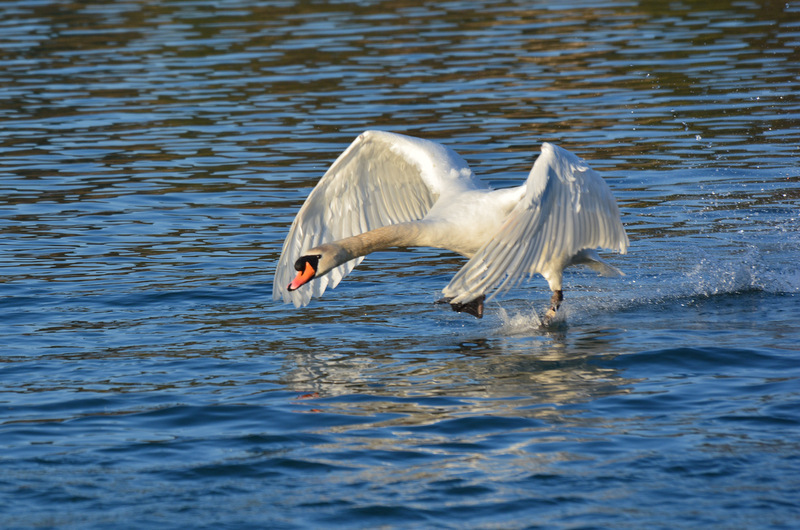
388 190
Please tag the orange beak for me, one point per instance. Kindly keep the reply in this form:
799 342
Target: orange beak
302 277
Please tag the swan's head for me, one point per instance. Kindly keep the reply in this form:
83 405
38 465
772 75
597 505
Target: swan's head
317 262
306 267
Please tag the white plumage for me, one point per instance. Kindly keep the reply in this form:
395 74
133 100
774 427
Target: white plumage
392 190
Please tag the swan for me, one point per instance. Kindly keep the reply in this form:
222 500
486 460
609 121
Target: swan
390 190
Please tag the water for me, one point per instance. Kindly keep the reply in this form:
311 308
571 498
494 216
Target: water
152 156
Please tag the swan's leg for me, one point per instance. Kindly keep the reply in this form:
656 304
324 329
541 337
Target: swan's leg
555 303
473 307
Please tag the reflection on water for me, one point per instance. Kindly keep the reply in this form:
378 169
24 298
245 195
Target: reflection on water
546 371
152 156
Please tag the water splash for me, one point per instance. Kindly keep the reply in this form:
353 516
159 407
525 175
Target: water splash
768 269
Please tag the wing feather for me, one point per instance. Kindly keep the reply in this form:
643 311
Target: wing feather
380 179
567 208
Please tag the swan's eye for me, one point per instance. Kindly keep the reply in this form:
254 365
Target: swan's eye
300 264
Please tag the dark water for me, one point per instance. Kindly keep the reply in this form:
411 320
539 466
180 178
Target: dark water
152 156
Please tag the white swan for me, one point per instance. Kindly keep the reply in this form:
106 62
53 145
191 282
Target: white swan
389 190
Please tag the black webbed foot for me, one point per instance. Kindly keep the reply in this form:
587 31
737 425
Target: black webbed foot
473 307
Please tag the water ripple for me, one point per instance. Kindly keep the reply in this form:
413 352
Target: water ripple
152 156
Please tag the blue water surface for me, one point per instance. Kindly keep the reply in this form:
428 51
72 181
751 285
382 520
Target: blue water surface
153 156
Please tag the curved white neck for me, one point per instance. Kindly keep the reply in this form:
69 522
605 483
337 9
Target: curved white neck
392 236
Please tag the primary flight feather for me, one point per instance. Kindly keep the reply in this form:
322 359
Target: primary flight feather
389 190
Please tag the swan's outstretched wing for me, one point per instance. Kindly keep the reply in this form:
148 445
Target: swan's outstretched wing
567 207
381 179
